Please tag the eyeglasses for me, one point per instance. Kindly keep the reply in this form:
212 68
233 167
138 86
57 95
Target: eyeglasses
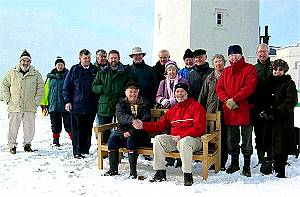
278 69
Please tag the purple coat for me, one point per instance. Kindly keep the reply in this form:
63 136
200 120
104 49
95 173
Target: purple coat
163 91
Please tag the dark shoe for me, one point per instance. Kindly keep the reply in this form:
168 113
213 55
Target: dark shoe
79 156
148 157
178 163
13 150
159 176
56 142
246 171
170 161
222 168
266 167
232 169
111 173
27 148
188 179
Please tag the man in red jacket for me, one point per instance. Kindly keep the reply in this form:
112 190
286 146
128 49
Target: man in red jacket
186 121
236 84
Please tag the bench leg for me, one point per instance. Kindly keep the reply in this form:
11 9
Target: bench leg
205 161
100 153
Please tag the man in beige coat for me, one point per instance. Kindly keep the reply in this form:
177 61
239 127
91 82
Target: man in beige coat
23 88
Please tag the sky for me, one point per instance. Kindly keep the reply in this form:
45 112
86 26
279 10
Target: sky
52 28
52 171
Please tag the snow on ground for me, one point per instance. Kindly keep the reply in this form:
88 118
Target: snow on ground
52 171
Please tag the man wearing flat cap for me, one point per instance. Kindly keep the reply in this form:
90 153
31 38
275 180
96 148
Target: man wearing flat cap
143 75
186 121
22 89
235 85
199 73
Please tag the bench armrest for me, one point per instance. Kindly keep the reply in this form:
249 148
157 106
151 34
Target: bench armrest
104 127
210 136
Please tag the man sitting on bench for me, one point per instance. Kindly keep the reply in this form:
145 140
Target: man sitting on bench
187 122
129 108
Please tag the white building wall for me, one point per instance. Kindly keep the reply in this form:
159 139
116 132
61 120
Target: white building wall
291 54
171 28
192 24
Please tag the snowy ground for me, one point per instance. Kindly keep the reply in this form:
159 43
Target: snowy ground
52 171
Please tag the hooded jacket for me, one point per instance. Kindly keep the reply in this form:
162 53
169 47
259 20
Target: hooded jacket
237 81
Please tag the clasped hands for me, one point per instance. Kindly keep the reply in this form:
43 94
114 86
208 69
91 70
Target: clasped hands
231 104
137 124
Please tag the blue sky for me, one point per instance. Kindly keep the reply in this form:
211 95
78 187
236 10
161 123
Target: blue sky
50 28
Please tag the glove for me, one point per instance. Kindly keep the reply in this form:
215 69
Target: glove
44 110
165 102
231 104
265 116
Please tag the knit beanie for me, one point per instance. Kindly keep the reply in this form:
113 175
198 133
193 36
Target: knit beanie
188 54
59 60
235 49
25 54
182 85
169 64
280 63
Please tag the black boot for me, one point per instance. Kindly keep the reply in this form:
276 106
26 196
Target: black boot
246 168
266 167
159 176
188 179
132 157
113 156
27 148
280 161
56 142
234 166
261 156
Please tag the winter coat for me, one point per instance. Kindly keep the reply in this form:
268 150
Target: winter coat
143 75
110 86
77 89
53 97
125 115
264 71
279 133
159 72
237 81
22 93
196 79
208 96
184 72
187 118
162 92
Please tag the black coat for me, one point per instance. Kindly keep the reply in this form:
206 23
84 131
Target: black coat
196 79
279 133
125 116
145 78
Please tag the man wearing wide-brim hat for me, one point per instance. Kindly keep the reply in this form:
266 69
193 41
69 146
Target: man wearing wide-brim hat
143 75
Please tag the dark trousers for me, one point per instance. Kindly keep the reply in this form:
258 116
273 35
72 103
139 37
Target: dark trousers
117 141
82 125
233 140
56 119
105 120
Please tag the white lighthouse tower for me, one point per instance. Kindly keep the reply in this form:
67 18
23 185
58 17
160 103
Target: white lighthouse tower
209 24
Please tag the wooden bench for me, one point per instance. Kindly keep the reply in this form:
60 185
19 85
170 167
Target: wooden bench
208 156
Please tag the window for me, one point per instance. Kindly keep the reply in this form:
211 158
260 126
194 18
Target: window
219 19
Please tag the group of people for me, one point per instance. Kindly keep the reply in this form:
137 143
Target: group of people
259 97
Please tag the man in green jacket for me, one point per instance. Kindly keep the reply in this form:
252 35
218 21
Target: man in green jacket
109 83
23 89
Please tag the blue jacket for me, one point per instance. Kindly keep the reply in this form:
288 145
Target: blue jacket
77 89
184 72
